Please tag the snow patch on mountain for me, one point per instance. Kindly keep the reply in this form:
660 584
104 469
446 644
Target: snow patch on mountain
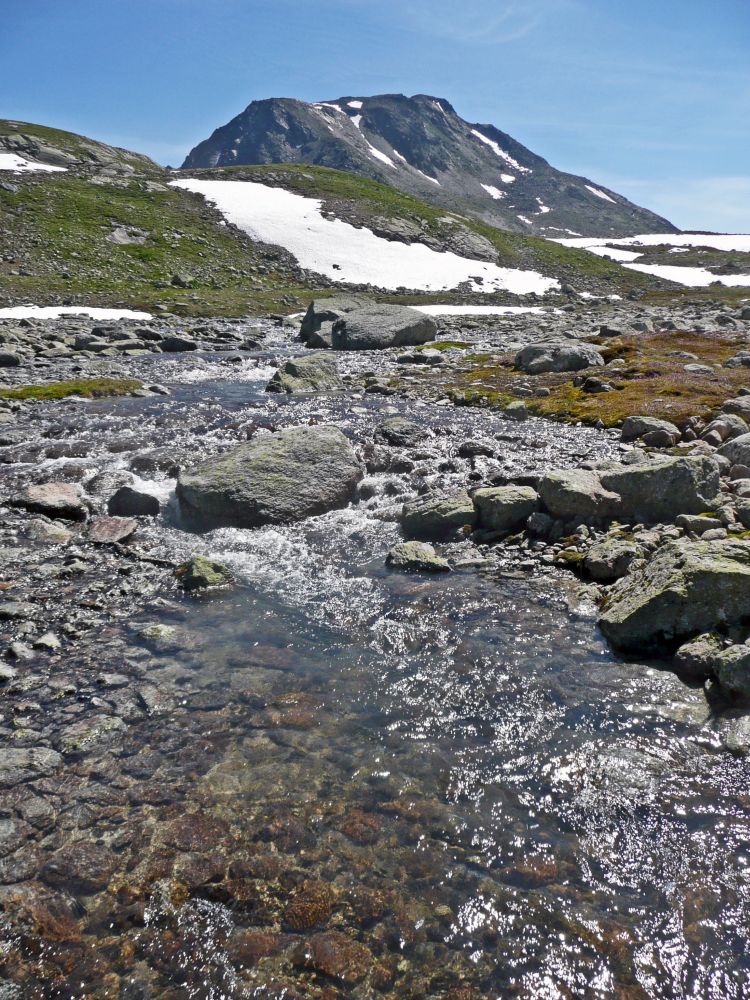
600 194
53 312
500 152
354 104
19 164
350 255
494 192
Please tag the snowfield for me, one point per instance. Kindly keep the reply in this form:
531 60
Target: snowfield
19 164
692 277
498 151
52 312
600 194
481 310
349 255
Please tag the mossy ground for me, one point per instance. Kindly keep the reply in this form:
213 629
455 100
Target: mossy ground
87 388
651 381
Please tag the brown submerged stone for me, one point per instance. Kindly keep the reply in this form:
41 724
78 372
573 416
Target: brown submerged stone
361 827
195 832
336 955
81 865
247 945
311 906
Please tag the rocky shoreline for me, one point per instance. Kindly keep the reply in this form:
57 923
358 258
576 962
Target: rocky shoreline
123 847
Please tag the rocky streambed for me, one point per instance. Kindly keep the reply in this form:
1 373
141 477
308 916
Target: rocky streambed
326 775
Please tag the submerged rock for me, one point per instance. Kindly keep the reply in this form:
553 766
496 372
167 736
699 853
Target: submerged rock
273 479
437 515
687 587
418 556
199 572
313 373
380 326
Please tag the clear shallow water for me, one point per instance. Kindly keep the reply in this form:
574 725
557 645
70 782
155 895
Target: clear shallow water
495 804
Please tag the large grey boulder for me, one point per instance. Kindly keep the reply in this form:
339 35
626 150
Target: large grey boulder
737 450
504 508
554 357
273 479
322 313
437 515
312 373
665 487
400 432
739 405
697 658
686 588
381 326
577 494
638 427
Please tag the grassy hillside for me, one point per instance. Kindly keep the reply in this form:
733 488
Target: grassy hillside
111 231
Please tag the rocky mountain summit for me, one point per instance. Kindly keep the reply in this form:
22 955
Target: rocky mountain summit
420 145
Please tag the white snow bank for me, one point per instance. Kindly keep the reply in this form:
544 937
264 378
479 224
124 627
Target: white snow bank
493 192
600 194
739 242
500 152
349 255
507 178
354 104
692 277
479 310
52 312
19 164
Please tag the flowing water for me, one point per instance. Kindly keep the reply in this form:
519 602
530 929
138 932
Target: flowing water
362 783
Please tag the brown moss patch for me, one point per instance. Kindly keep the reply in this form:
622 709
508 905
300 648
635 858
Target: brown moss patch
651 381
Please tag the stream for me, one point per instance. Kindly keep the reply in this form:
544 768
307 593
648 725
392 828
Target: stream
352 782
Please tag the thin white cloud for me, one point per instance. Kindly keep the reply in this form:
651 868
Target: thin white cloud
481 22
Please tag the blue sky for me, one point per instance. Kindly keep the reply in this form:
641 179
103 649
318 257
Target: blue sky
648 97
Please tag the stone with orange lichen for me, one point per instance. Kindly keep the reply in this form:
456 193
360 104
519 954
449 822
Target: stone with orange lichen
311 906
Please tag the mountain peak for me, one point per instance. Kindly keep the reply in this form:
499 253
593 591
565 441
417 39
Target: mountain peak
421 145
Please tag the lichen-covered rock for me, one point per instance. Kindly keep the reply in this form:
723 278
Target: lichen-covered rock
417 557
273 479
557 357
737 450
380 326
661 489
199 573
577 495
686 587
697 658
505 508
732 669
399 432
311 373
610 558
636 427
435 516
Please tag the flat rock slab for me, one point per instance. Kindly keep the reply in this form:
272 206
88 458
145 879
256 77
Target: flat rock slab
314 373
273 479
108 530
54 500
